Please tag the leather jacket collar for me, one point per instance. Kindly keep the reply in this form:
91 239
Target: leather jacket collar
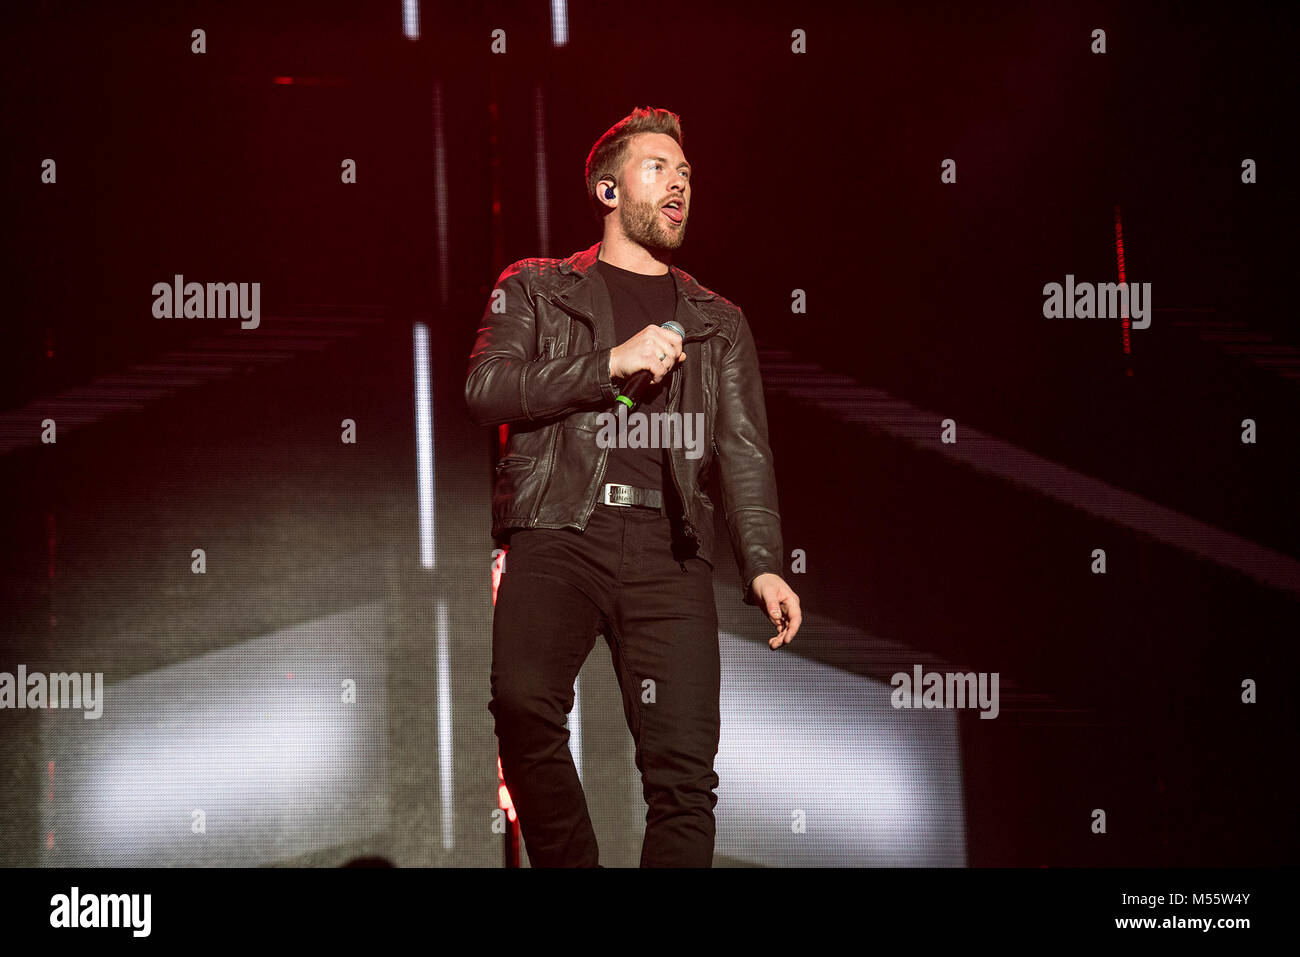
587 296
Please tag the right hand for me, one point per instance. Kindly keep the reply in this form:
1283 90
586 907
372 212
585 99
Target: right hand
643 350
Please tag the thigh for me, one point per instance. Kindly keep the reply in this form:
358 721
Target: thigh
665 648
545 621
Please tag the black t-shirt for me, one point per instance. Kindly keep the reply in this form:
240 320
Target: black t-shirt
640 301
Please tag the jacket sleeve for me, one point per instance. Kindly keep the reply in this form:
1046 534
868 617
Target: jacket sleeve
508 381
746 471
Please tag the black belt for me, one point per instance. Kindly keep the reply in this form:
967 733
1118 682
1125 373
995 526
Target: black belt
631 495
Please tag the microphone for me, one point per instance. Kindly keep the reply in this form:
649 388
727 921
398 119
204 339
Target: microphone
639 382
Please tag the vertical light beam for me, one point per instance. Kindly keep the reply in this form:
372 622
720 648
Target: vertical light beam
411 19
559 23
424 443
445 779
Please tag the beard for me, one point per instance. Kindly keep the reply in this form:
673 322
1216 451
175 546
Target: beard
644 224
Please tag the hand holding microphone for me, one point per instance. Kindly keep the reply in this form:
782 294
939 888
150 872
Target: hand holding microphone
645 359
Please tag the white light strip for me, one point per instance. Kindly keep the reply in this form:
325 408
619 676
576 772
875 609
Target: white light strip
424 443
559 23
445 779
411 19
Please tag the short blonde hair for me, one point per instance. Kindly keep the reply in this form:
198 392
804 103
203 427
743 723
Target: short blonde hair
609 154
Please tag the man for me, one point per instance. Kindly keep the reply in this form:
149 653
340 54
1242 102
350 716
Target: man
619 540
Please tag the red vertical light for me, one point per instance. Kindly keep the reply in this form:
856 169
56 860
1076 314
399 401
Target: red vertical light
503 793
1123 281
498 566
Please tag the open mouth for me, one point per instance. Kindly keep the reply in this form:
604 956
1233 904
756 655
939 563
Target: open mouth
674 213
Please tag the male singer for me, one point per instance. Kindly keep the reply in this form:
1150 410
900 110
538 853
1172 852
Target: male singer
619 540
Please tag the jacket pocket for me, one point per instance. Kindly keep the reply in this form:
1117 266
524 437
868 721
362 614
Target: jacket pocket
515 460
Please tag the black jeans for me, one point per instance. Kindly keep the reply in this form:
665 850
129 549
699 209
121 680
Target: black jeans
625 577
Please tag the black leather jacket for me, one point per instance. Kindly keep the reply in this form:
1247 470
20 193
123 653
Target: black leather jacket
541 363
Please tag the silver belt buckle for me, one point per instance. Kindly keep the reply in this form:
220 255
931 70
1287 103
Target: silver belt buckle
623 490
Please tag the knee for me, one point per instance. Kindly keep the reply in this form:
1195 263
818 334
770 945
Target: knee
682 786
515 703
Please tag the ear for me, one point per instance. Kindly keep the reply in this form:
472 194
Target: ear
601 187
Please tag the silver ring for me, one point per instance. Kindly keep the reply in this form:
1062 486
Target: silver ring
663 356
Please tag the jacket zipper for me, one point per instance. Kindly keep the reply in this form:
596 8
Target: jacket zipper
555 440
674 391
674 399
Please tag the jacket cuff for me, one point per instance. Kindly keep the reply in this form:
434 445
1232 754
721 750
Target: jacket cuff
541 395
608 390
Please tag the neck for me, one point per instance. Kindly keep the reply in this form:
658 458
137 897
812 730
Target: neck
617 250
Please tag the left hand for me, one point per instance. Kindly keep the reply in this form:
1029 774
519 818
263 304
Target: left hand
781 605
